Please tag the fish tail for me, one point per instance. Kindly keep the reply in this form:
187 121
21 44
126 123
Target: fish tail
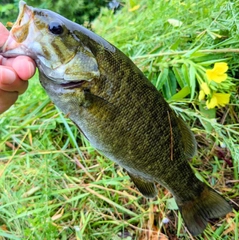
208 205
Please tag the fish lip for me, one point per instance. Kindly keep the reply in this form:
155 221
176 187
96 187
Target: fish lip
22 51
71 85
13 46
21 5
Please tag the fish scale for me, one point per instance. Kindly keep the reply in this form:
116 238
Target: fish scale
116 108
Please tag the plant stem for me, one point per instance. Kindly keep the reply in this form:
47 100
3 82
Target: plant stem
216 51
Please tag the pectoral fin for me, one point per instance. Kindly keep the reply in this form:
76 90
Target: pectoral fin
146 187
99 107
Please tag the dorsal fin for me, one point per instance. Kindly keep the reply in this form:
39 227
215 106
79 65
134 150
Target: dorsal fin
188 138
146 187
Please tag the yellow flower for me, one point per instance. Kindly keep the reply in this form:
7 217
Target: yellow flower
217 74
205 88
201 95
218 100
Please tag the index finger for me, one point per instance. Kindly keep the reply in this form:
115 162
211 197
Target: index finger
4 33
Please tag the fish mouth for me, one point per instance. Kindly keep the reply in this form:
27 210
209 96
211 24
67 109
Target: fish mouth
18 51
14 44
71 85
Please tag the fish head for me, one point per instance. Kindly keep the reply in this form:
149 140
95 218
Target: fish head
50 40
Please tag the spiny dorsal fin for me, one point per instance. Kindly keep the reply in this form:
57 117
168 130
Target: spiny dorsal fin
146 187
189 142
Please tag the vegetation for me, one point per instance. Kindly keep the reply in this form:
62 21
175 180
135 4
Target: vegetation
78 11
56 186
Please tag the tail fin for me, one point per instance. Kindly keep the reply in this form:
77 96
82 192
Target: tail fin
197 213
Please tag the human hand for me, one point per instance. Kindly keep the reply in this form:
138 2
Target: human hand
14 73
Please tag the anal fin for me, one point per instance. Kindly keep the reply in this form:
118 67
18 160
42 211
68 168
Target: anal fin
146 187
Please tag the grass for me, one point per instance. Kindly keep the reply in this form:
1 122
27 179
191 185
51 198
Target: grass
56 186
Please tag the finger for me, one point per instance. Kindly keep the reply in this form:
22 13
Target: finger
7 99
10 82
24 66
6 61
3 34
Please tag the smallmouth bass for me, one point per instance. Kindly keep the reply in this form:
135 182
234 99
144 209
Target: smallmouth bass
117 109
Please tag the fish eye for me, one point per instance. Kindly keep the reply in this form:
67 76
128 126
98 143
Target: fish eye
55 28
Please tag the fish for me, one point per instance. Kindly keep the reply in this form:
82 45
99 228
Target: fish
117 109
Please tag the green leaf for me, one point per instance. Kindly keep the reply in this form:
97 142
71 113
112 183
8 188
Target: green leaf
175 45
192 77
208 113
179 76
162 78
210 62
8 235
170 86
191 52
185 72
172 83
181 94
171 204
199 176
